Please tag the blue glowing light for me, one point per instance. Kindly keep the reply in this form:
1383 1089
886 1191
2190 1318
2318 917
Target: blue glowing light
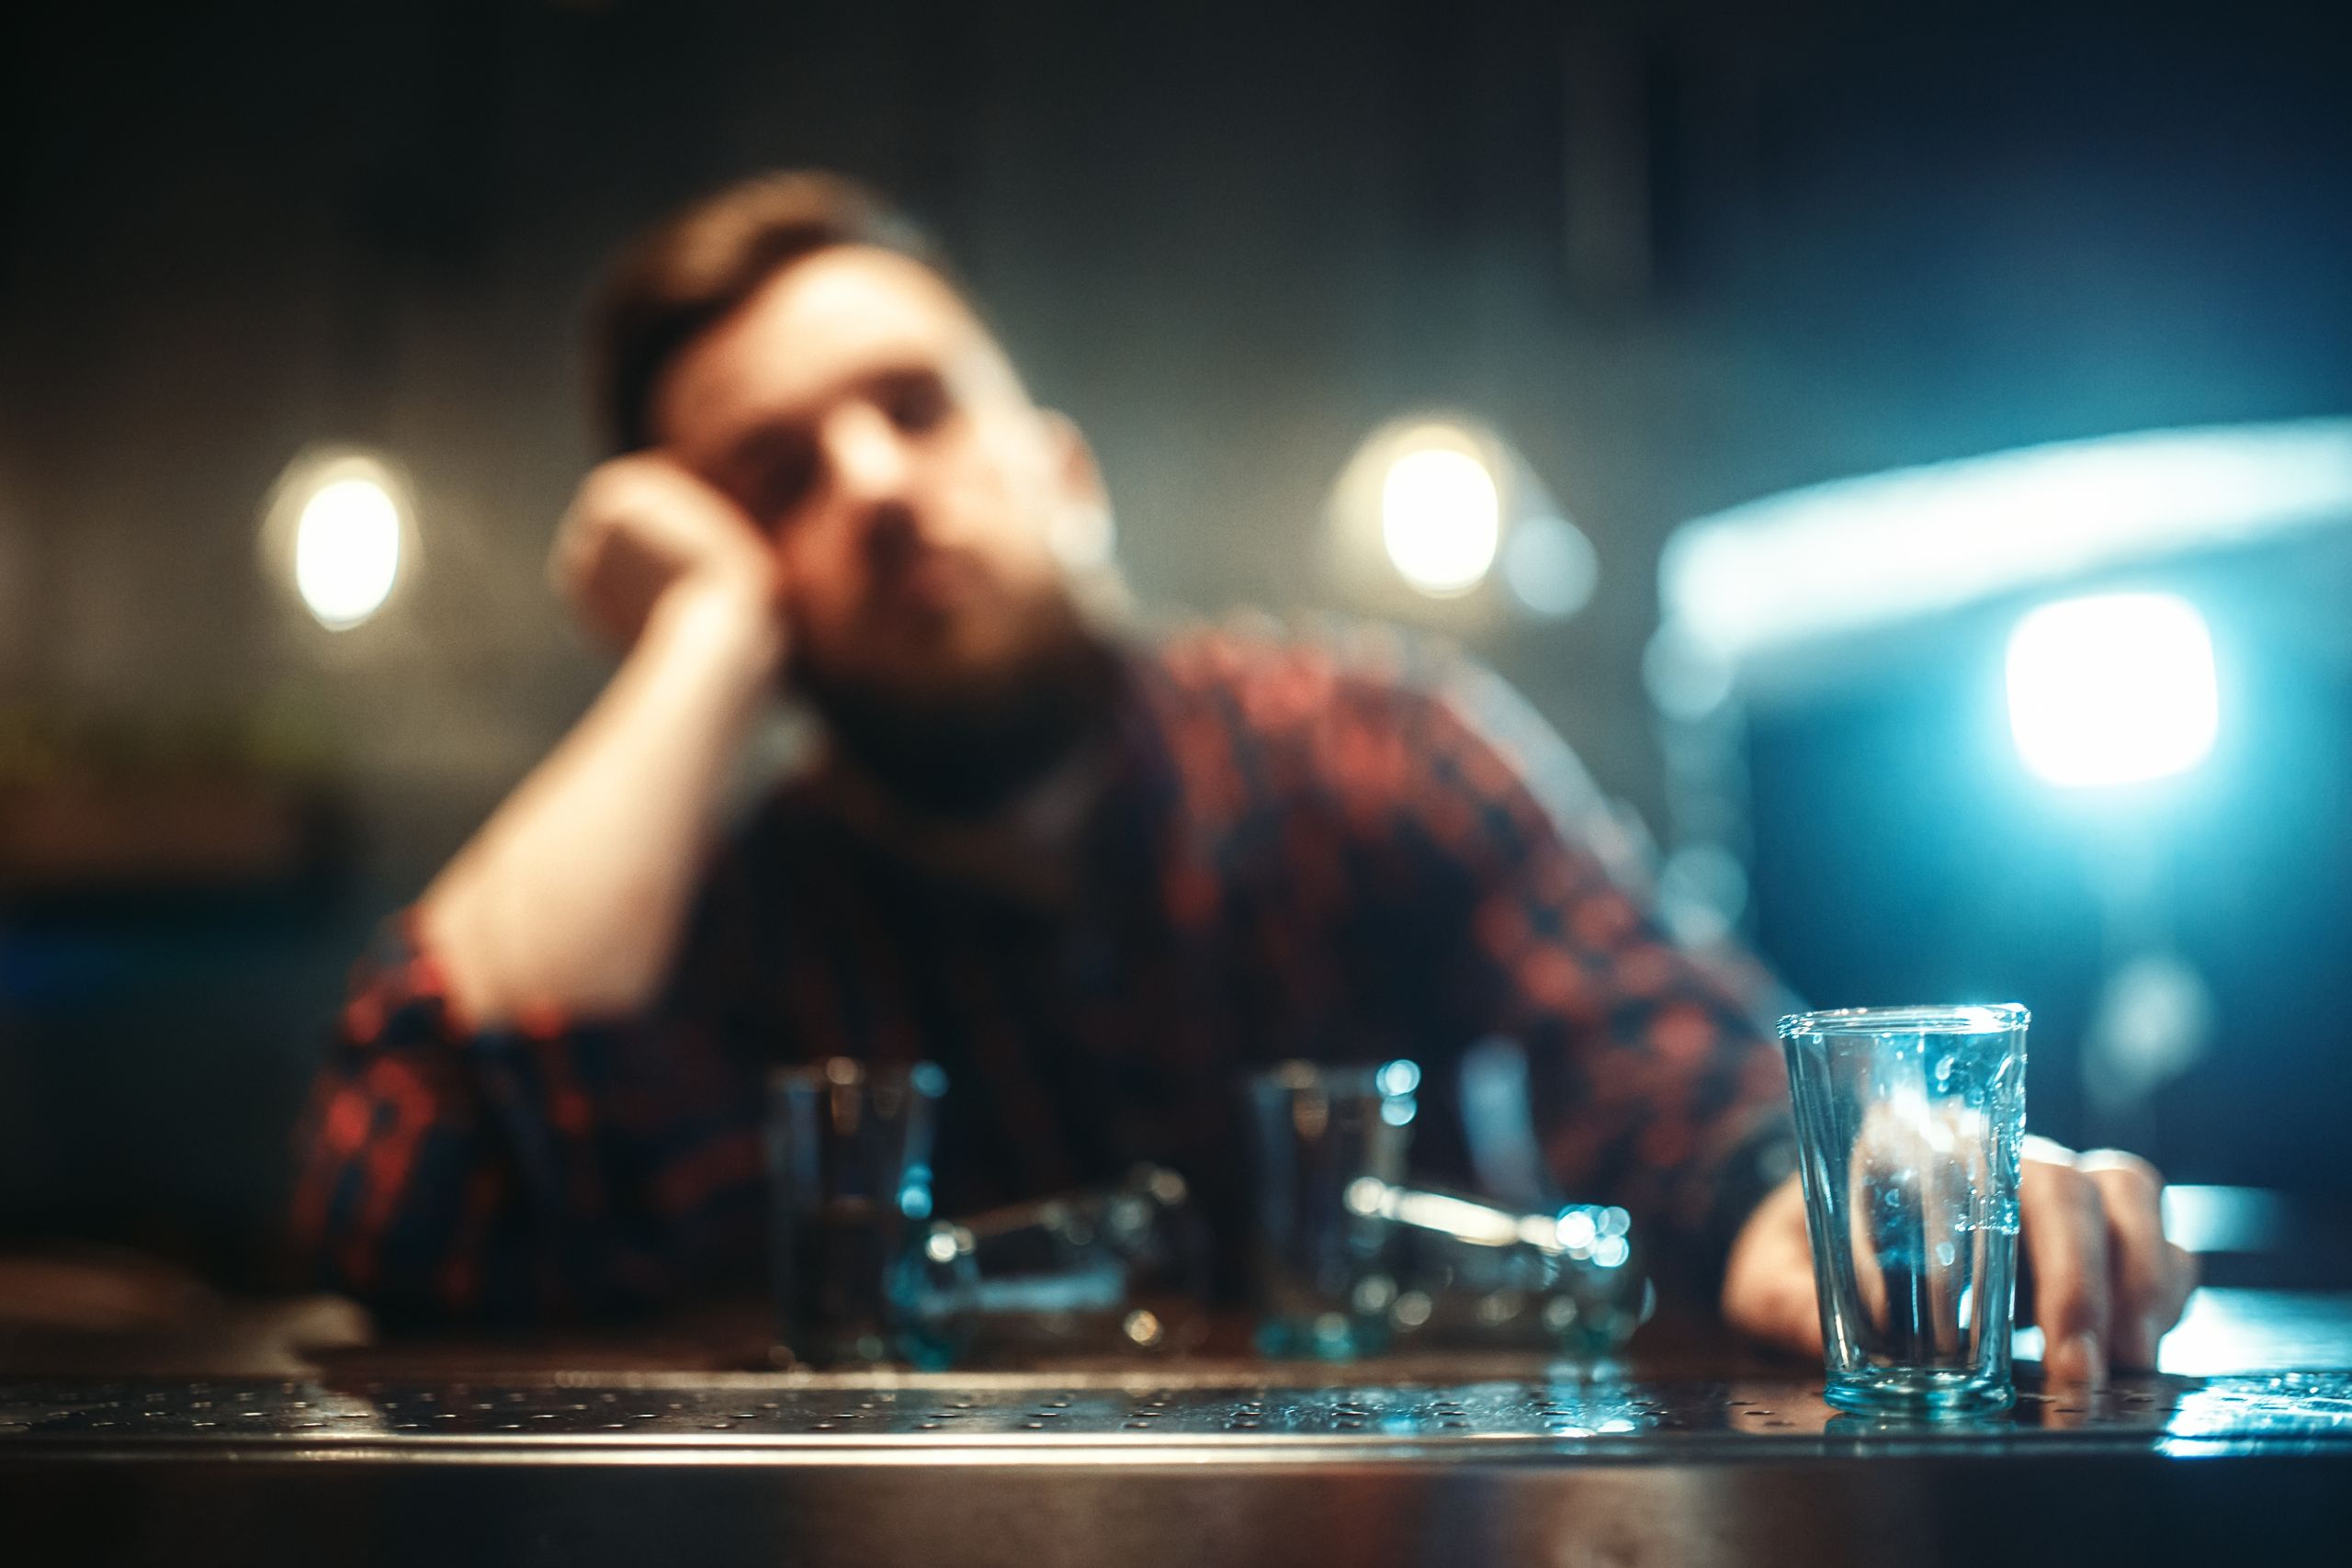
1856 553
1550 565
2112 689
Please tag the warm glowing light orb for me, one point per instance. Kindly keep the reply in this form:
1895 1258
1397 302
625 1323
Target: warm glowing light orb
347 550
1441 518
2112 689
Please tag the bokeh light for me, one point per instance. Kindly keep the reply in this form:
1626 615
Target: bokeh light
1437 517
339 532
1550 565
2111 689
1441 518
347 552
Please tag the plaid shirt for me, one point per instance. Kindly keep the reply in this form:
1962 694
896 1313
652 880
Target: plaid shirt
1297 854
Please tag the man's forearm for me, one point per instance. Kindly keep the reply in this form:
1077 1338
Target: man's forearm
575 895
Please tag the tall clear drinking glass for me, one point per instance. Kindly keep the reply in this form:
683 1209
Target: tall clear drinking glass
849 1170
1909 1123
1326 1274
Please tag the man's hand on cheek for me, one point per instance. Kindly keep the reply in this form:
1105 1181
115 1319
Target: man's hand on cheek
2106 1284
643 524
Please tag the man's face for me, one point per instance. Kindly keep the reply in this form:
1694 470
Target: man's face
871 428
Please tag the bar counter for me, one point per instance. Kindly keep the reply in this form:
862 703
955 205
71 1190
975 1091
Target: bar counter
450 1454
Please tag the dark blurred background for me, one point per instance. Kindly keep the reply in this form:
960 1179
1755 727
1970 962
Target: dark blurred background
1680 255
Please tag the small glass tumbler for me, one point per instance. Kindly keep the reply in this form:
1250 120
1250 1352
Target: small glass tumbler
1325 1274
1910 1123
849 1171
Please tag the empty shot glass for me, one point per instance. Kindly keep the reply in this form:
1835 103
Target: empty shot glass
1325 1274
1910 1123
849 1168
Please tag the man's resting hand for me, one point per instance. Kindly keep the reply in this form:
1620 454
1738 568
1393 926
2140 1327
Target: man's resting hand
641 526
2107 1283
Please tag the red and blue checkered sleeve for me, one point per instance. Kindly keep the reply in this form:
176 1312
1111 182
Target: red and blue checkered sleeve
443 1171
1652 1084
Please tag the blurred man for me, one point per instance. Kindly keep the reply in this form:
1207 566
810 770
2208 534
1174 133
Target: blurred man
1095 880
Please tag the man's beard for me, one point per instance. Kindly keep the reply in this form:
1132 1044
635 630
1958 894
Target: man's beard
964 752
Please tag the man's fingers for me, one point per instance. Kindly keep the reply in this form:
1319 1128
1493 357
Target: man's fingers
2065 1235
2149 1278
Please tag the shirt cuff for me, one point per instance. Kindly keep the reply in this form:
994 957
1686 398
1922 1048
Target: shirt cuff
400 993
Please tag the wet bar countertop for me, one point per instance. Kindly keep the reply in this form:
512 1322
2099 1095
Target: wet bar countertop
1204 1417
1433 1461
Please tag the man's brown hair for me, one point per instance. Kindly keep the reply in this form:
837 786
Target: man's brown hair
695 267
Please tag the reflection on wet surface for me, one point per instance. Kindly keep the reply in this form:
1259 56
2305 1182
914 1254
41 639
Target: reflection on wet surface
2241 1331
1610 1417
